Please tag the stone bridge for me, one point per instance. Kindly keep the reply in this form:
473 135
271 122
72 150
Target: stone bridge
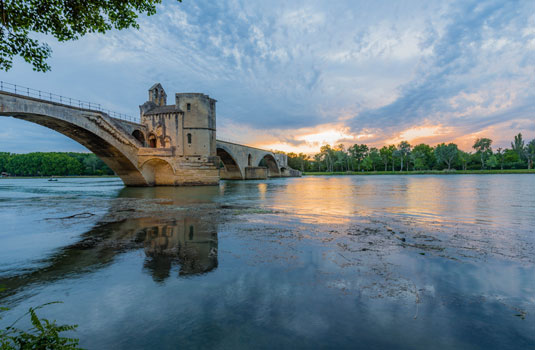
173 145
244 162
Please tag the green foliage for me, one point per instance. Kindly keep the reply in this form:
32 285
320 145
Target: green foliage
63 20
386 155
492 162
43 335
358 152
463 158
52 163
422 158
530 153
403 151
446 153
426 172
298 161
518 146
482 146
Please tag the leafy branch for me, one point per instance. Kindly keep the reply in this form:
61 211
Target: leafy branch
43 335
62 19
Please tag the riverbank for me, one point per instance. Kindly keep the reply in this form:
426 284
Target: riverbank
425 172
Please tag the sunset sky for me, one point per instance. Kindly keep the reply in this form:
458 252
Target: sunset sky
294 75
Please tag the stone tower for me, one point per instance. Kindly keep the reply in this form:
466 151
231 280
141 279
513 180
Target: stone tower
183 134
199 123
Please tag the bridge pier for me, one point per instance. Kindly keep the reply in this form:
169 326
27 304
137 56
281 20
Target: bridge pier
256 173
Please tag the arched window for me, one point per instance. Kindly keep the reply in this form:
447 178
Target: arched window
152 141
249 160
189 138
139 136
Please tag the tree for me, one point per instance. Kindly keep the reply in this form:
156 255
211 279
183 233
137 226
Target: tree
317 159
499 156
518 146
327 154
367 163
446 153
511 159
482 147
492 162
464 158
425 156
530 153
418 160
375 157
298 161
404 149
63 20
386 155
341 158
392 150
358 152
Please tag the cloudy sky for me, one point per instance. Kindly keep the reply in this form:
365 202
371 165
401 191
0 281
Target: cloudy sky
293 75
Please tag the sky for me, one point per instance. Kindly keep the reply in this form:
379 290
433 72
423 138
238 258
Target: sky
295 75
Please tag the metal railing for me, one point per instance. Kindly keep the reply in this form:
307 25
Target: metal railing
226 139
68 101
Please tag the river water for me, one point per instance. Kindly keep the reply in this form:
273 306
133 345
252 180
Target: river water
371 262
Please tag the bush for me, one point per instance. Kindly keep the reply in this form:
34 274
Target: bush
44 334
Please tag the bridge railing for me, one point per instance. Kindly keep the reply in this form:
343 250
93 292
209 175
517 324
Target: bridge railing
229 140
69 101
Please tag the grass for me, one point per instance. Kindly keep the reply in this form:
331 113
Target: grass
427 172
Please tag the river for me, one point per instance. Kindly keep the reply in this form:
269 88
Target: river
371 262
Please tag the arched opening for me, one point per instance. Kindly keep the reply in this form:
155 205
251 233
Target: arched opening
230 170
189 138
269 162
152 141
138 135
249 160
158 172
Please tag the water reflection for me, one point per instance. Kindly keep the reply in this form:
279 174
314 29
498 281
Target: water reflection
187 241
174 195
312 262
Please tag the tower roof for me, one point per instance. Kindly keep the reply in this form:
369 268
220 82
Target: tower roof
156 86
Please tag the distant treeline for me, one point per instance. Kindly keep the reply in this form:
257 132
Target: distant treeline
404 157
52 163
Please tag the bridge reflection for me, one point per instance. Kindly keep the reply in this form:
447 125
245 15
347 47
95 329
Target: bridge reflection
185 244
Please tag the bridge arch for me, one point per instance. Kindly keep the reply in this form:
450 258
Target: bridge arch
97 132
269 161
157 172
231 170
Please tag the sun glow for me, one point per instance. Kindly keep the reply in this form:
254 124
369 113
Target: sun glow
415 133
310 141
325 137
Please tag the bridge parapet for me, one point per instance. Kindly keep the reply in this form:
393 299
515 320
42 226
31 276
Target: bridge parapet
62 100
